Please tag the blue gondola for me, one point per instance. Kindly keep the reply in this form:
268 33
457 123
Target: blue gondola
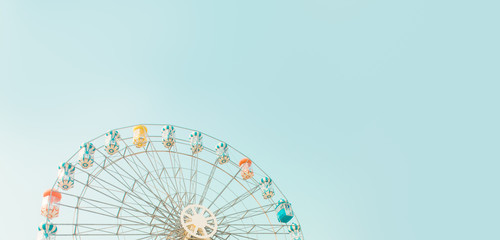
284 211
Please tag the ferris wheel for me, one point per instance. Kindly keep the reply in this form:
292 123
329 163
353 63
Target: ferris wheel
164 182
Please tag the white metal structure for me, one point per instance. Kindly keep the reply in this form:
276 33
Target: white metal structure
198 221
173 187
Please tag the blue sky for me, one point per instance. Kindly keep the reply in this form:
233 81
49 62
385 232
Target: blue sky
378 119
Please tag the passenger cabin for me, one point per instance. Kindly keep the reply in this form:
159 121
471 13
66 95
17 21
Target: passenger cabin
65 176
86 155
196 142
168 136
284 211
246 168
222 153
140 136
295 232
111 144
266 185
50 204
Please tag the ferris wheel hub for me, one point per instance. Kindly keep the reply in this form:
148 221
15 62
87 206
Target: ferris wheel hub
198 222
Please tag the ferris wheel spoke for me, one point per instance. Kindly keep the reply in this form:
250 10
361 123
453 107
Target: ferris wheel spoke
189 214
103 194
195 211
165 215
164 169
220 238
246 214
182 195
244 233
105 169
193 170
98 185
114 236
238 236
128 158
194 177
102 224
157 194
95 206
178 174
113 229
165 209
154 164
131 211
108 184
134 220
131 194
94 230
217 192
209 181
132 157
174 159
140 185
171 206
224 189
157 170
160 182
145 237
255 228
120 173
236 201
144 230
204 232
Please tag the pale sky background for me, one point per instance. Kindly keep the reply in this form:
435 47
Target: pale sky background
378 119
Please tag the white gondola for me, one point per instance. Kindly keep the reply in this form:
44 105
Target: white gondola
196 142
46 230
66 176
266 185
168 136
295 232
112 144
86 155
222 153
